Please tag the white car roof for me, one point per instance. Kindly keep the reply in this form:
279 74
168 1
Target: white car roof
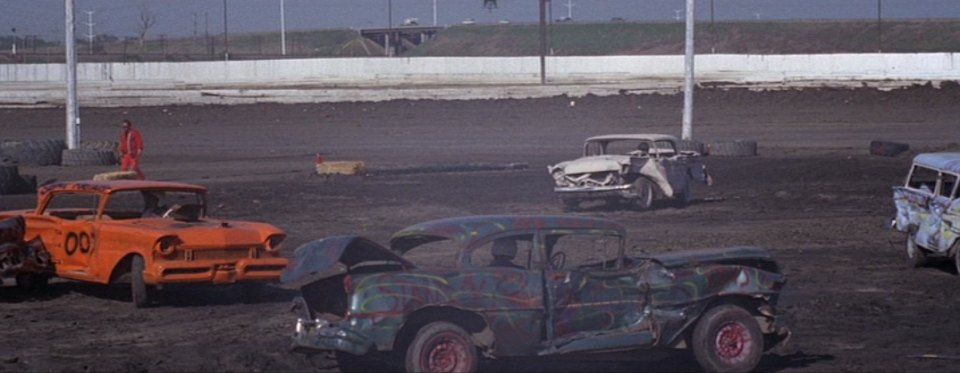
633 136
941 161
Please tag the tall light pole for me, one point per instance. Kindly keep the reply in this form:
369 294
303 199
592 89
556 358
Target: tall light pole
73 115
283 30
688 78
543 41
434 12
90 30
879 26
388 40
226 34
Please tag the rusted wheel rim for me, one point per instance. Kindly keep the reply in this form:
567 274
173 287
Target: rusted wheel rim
445 353
733 342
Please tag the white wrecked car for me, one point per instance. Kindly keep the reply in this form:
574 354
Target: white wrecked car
928 208
633 169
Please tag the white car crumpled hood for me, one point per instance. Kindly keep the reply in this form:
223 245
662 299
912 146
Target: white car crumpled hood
599 163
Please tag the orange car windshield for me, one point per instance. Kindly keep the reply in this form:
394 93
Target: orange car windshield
130 204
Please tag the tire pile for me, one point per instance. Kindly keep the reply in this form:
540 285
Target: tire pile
11 182
47 152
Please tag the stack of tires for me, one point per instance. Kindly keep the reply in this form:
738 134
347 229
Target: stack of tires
34 152
11 182
735 148
92 153
47 152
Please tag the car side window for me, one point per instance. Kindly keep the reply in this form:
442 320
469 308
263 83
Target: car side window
126 204
948 184
922 178
585 251
73 206
515 251
435 254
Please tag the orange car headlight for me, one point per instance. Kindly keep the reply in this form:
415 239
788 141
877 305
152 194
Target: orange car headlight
167 245
273 242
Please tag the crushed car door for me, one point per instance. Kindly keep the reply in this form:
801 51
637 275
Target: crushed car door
913 202
950 215
588 295
73 214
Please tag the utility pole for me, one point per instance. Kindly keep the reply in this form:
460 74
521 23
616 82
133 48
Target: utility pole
13 48
434 12
687 133
283 30
195 15
879 26
206 33
543 41
73 115
226 34
388 41
89 24
569 9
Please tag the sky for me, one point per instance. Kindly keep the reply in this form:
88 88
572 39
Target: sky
185 17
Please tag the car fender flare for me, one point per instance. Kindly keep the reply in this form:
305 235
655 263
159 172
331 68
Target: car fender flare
121 268
655 172
480 332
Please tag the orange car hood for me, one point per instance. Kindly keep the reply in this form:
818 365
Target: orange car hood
205 232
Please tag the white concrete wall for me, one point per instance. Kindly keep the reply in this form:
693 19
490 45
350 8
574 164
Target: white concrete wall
451 78
499 70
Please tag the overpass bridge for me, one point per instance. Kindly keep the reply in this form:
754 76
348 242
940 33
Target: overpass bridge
396 40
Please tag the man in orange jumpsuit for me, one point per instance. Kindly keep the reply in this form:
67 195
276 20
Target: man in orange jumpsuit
131 145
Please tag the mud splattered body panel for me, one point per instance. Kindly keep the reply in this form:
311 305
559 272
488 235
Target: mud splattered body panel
928 209
359 297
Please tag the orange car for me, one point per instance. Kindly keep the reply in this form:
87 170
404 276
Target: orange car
148 234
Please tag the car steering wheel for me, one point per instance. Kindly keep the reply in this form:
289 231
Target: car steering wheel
171 210
558 259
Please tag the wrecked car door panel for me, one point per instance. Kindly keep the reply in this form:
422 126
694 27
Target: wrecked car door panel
912 207
951 225
584 304
510 301
654 170
926 212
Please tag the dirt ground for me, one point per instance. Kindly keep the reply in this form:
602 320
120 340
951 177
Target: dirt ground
814 197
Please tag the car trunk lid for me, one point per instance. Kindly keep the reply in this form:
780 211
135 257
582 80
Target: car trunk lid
332 256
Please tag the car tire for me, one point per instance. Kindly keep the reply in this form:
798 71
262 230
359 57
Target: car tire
727 339
88 157
643 193
916 256
442 347
736 148
11 182
138 287
887 148
34 152
956 261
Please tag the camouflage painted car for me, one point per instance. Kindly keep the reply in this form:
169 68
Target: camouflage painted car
148 234
511 286
27 262
631 168
928 208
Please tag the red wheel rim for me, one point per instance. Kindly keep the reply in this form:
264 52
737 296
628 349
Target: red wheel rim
733 342
444 353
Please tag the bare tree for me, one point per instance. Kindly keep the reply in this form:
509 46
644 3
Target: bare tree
147 19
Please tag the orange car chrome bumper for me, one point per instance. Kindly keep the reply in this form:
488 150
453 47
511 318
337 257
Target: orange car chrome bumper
217 272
